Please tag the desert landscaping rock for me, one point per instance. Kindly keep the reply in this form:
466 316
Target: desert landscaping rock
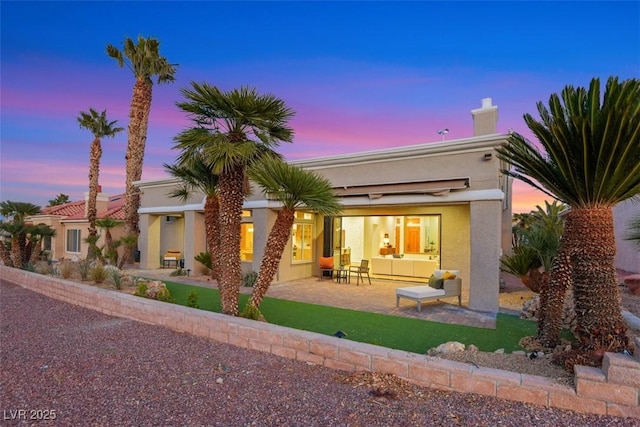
95 370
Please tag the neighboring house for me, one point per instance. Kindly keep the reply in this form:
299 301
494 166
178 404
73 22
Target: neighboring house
442 205
70 222
627 253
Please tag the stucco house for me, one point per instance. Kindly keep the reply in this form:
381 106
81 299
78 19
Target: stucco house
70 222
408 210
627 253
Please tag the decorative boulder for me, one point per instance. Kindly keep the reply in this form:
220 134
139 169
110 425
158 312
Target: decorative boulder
154 288
569 321
446 348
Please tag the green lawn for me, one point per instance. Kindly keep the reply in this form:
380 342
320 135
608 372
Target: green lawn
400 333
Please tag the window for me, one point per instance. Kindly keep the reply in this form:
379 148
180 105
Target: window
246 241
302 237
73 241
246 236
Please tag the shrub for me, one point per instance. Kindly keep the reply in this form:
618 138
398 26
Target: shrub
250 312
178 272
66 269
141 289
84 267
192 299
115 275
29 267
250 279
98 273
164 295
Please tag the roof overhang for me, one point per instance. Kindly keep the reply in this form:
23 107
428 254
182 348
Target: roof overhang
439 187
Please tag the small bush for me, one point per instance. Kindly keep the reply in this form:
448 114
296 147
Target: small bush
84 267
250 279
192 299
66 269
29 267
141 289
43 268
115 276
251 312
178 272
98 273
164 295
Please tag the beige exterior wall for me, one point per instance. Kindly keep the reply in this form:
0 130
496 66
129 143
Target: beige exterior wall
627 254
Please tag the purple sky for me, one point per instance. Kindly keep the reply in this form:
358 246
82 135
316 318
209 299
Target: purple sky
359 75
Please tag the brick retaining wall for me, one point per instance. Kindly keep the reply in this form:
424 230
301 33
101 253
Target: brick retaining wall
612 390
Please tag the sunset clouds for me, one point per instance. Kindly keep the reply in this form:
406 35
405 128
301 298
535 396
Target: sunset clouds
359 75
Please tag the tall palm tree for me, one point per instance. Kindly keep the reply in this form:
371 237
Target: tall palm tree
15 213
196 174
591 162
232 129
100 127
145 61
295 188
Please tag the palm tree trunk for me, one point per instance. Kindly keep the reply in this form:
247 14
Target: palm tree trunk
228 256
5 255
17 249
278 238
600 324
552 294
92 212
138 123
211 223
35 253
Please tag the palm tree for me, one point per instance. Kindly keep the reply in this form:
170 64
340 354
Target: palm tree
295 188
60 199
145 61
592 162
15 213
232 129
196 174
100 127
111 252
37 234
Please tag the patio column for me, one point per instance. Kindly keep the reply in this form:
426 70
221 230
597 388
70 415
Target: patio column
486 239
149 241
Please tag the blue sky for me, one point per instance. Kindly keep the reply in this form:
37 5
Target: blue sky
360 75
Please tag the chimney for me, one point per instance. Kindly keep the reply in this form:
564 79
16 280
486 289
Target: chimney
485 119
102 202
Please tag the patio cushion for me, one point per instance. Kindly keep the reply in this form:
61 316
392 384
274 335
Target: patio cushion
419 292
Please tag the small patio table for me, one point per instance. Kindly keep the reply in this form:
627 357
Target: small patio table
342 274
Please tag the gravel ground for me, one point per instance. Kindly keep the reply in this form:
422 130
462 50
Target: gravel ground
90 369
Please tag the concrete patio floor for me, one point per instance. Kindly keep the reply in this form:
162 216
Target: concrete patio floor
379 297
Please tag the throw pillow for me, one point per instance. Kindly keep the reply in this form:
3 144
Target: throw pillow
448 275
326 262
436 282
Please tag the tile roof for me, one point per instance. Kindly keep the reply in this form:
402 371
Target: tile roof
66 209
75 210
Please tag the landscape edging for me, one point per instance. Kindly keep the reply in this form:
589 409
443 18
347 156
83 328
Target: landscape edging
612 390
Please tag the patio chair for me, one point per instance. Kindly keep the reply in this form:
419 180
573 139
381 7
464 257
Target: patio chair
360 271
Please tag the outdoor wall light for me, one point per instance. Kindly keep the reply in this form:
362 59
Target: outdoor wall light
487 156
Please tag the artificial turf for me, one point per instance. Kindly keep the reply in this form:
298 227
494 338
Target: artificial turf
402 333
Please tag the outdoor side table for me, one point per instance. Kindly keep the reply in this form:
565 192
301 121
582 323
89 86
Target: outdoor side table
342 274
